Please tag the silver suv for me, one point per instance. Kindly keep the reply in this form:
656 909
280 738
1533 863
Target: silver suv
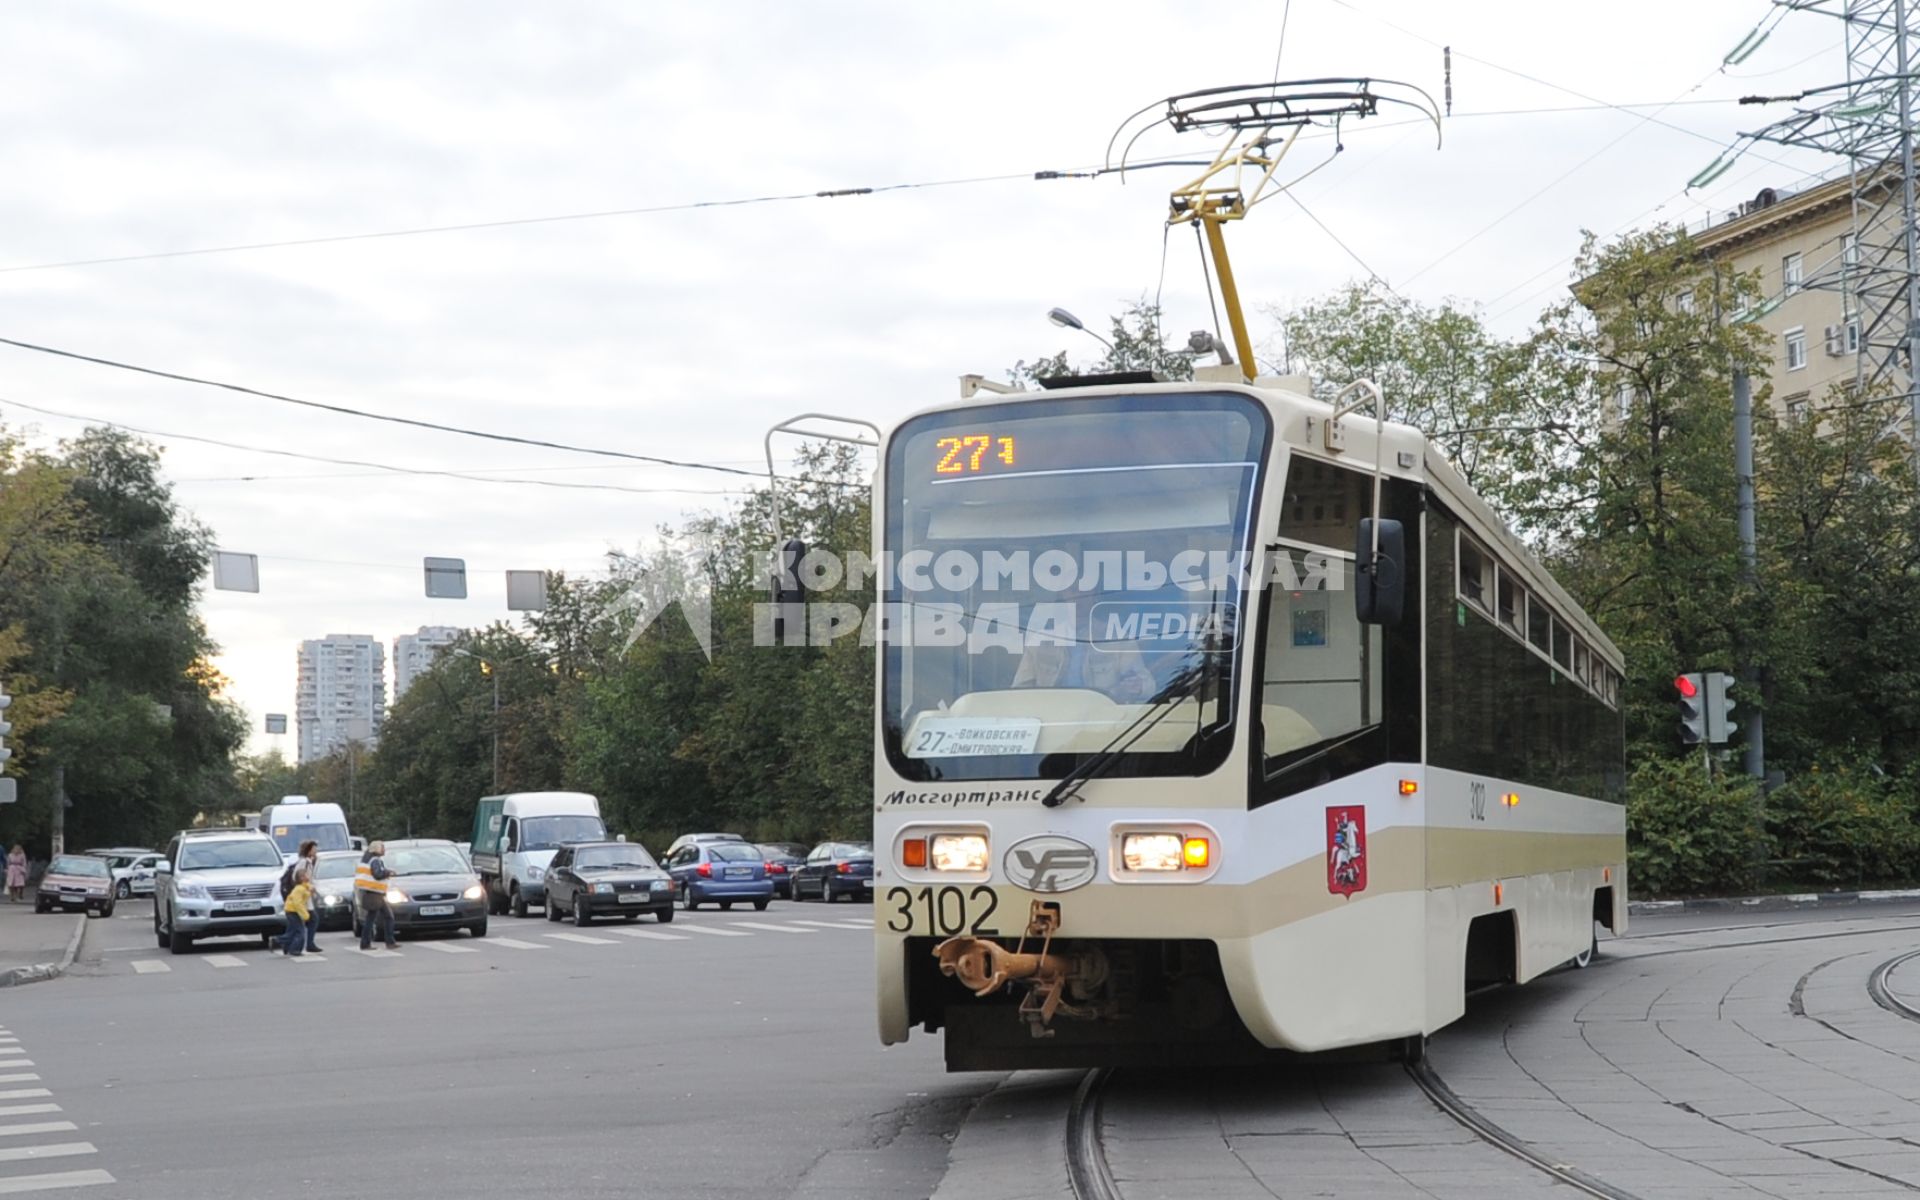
217 883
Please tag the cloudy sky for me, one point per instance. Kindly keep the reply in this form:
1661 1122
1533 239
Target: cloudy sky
141 128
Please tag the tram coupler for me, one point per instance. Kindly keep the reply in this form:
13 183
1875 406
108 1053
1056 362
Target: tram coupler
984 967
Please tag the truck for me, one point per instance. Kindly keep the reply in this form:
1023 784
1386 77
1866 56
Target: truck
296 819
515 836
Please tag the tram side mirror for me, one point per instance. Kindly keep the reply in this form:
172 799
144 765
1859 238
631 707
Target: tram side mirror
1380 580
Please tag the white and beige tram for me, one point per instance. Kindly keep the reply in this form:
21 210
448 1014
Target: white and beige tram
1147 786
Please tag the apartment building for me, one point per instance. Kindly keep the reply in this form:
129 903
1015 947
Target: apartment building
342 693
414 653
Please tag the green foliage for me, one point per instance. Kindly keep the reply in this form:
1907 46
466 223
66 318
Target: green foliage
1844 823
1137 343
1688 834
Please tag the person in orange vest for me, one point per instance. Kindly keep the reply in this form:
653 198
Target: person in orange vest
370 887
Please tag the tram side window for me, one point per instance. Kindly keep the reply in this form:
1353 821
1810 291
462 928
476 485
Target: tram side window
1539 625
1323 668
1476 572
1512 600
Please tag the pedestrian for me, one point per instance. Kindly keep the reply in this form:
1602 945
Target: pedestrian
17 873
299 912
305 869
370 888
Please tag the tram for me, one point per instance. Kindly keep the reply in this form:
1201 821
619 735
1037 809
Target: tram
1216 717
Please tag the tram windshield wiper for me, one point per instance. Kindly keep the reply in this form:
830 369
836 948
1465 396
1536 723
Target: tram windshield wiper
1185 684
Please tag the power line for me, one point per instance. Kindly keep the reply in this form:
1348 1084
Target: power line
1371 273
363 414
377 467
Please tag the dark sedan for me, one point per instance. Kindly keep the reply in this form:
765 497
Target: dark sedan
607 879
783 859
836 869
432 887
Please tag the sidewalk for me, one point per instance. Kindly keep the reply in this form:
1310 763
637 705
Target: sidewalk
28 939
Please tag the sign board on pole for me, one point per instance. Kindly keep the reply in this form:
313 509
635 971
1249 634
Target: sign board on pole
276 722
9 790
446 578
527 591
235 572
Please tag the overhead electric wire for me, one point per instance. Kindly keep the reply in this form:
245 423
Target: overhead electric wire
365 414
342 462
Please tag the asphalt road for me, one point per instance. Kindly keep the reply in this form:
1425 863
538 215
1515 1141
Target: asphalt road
724 1055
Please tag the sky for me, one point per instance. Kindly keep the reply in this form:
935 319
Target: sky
141 128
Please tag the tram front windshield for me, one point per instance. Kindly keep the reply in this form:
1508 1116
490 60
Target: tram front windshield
1065 579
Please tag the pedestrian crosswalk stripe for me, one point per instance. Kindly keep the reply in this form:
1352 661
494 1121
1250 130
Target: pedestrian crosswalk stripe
223 960
516 944
771 928
24 1093
378 952
16 1062
716 932
446 947
308 957
57 1150
26 1110
46 1183
856 924
582 938
651 934
37 1127
824 924
29 1077
149 966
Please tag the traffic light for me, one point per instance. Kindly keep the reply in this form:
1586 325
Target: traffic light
1693 711
1719 707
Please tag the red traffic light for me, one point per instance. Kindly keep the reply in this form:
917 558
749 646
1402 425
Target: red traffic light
1687 687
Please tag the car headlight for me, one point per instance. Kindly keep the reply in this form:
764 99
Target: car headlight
191 890
396 896
332 898
1165 852
603 889
474 893
535 872
663 885
957 852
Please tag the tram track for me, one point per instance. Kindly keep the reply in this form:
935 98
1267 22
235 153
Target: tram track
1092 1177
1883 995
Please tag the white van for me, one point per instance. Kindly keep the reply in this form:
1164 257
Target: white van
296 818
514 838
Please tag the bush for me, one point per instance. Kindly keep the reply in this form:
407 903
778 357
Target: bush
1844 824
1688 834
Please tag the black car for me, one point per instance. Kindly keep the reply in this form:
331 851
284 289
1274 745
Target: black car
836 869
607 879
783 859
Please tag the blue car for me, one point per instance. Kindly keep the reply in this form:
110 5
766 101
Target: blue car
720 873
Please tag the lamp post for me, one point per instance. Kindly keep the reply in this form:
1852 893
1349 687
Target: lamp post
1066 320
489 667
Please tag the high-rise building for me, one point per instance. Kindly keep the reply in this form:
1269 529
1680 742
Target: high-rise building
414 653
342 693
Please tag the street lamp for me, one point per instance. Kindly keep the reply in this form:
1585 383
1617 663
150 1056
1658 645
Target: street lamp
491 667
1066 320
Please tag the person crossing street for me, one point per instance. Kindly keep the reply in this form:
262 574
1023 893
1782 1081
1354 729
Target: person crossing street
370 888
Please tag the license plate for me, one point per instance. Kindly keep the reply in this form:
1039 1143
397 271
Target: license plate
867 883
739 872
436 910
948 911
635 897
240 906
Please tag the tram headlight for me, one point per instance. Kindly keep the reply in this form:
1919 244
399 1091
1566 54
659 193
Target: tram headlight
958 852
1165 852
1150 851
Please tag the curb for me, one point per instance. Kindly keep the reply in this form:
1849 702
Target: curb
1012 1145
1796 901
41 972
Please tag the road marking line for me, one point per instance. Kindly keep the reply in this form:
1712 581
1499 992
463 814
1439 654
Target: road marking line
378 952
25 1094
16 1062
38 1127
650 934
856 924
716 932
150 966
27 1110
9 1040
446 947
308 957
223 961
772 928
57 1150
28 1077
516 944
47 1183
582 938
822 924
